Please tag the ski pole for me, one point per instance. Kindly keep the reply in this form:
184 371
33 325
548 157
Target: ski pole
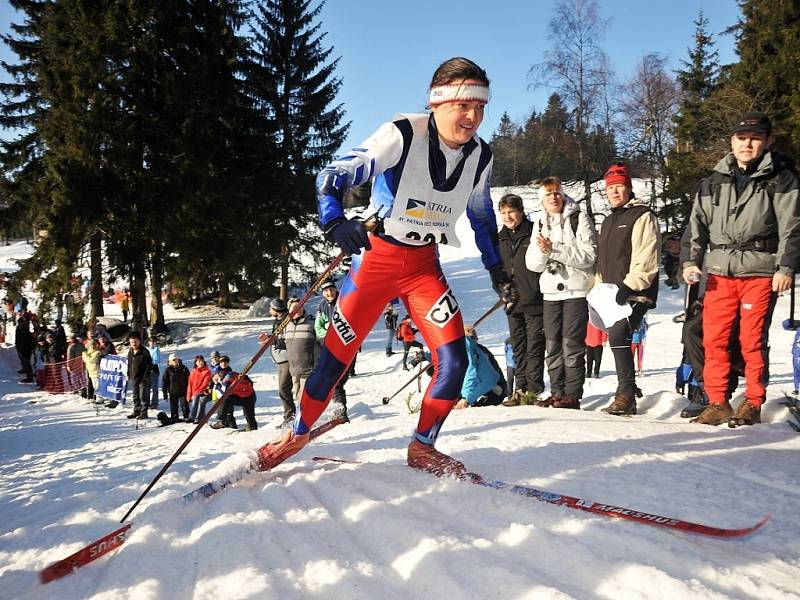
371 223
497 305
387 399
790 324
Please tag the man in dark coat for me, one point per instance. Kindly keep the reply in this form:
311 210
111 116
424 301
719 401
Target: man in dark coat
25 346
139 366
525 322
174 384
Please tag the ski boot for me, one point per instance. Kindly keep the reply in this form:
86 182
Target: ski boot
272 454
427 458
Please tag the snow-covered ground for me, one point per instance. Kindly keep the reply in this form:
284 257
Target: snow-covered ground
68 473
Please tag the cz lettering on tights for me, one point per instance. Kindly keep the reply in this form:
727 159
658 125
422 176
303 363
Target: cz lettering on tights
444 309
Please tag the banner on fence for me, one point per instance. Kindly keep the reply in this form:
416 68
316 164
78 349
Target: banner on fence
113 378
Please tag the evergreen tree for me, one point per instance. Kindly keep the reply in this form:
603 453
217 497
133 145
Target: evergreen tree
23 184
292 83
505 148
697 81
768 45
690 159
554 142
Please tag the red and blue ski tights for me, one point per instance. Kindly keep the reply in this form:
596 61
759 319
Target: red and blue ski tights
726 297
388 271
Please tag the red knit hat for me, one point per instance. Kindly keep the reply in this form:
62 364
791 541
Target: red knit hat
617 173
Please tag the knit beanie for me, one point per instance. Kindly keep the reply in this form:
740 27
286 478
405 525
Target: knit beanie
617 173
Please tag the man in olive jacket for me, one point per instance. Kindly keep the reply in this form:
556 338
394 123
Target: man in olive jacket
744 230
302 349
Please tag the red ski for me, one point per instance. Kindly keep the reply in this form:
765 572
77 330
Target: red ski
115 539
598 508
83 557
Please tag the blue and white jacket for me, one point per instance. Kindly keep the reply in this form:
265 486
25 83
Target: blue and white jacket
420 186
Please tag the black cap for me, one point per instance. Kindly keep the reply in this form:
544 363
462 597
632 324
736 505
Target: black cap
277 304
754 122
327 284
224 357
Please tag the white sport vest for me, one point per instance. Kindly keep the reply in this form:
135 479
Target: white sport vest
420 214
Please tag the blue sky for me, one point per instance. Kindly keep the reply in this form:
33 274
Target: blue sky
389 49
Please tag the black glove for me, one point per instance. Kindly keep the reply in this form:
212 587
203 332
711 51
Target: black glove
623 294
499 277
349 235
504 287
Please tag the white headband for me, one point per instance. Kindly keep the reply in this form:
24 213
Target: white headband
458 92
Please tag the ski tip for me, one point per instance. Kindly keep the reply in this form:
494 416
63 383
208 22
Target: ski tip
764 520
85 555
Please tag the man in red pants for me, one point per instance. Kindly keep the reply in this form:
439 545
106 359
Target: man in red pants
746 215
426 170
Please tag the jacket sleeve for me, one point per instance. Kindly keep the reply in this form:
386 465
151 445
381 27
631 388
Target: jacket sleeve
377 153
583 253
321 325
535 259
694 240
786 206
468 388
480 212
645 253
165 380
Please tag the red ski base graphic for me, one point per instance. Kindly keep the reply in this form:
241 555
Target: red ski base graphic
82 557
607 510
116 538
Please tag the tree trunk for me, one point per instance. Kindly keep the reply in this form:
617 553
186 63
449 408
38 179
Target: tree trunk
96 269
587 190
224 300
157 322
285 272
138 297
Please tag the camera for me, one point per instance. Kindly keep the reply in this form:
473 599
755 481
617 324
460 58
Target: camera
554 267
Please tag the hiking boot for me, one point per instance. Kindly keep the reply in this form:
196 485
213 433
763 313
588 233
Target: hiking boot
218 425
514 399
567 402
133 415
546 402
427 458
272 454
697 404
715 413
747 414
621 406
